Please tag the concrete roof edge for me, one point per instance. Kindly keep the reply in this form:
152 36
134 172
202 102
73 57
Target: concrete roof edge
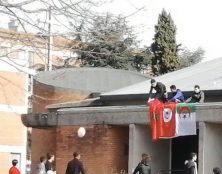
116 115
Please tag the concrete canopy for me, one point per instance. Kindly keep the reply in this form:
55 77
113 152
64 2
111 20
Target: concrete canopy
93 80
207 75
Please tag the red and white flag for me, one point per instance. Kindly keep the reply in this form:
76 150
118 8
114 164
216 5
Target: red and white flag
170 120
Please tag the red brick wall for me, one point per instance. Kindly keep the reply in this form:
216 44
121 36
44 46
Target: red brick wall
103 149
42 142
44 95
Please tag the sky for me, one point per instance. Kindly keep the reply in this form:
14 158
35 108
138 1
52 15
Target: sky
198 22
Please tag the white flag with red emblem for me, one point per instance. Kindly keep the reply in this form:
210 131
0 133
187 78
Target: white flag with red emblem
185 119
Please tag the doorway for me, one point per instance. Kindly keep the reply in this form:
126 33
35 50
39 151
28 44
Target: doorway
181 148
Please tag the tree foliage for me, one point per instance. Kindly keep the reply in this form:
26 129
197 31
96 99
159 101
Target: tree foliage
164 47
110 40
188 58
111 43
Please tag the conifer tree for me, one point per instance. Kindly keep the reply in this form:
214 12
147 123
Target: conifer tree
164 47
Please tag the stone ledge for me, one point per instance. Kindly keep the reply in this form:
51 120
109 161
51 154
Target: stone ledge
116 115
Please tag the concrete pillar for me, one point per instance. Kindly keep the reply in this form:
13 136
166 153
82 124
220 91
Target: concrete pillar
210 143
202 133
140 142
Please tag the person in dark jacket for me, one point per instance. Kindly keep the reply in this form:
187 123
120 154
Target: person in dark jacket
197 97
75 166
160 89
48 163
191 165
143 167
177 95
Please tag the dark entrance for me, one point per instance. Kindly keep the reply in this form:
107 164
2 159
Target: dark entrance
181 148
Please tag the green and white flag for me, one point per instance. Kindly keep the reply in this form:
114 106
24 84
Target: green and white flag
185 119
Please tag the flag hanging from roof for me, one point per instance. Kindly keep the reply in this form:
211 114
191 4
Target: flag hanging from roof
185 119
155 113
167 121
170 120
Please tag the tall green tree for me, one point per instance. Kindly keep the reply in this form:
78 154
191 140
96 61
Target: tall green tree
111 43
164 47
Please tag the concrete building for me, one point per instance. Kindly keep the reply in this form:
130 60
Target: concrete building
117 130
73 86
20 55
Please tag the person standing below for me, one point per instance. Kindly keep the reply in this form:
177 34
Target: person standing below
143 167
160 89
48 164
41 166
75 166
197 97
177 95
14 169
191 165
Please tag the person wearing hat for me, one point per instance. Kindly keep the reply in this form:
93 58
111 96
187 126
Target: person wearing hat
143 167
160 89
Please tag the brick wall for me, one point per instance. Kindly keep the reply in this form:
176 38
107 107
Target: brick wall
44 140
104 149
44 95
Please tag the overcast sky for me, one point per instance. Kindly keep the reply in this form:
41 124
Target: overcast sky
199 22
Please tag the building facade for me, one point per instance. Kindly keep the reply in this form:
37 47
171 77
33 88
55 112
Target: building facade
20 56
117 126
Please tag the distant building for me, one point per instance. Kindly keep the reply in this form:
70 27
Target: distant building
21 56
117 130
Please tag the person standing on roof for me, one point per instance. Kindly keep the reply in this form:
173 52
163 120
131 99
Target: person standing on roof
160 89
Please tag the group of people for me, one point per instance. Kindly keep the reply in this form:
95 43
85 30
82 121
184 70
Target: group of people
177 95
190 165
74 166
45 166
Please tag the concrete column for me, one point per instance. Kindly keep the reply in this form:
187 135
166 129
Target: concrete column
140 142
202 133
210 153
